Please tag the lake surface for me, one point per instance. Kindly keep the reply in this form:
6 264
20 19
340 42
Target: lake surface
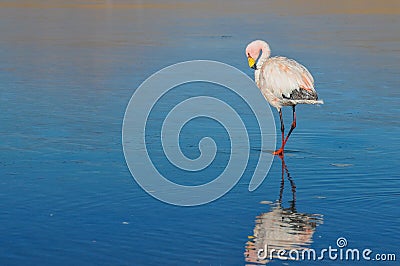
68 72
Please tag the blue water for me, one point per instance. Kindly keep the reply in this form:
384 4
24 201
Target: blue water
67 196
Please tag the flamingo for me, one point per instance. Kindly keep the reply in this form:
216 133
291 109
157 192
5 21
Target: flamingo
282 82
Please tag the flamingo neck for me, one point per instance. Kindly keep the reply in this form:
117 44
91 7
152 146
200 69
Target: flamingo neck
265 53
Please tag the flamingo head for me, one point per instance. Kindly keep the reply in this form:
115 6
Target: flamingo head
253 50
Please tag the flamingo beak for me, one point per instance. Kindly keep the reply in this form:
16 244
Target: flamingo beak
252 62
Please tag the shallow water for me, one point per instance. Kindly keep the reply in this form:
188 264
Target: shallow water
68 72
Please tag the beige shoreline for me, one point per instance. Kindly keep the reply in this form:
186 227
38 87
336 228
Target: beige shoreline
280 7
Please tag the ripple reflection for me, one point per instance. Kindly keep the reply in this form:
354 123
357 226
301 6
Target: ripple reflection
281 228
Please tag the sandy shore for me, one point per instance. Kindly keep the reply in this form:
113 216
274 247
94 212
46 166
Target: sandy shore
282 7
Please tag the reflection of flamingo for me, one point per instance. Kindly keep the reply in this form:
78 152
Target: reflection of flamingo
281 228
282 81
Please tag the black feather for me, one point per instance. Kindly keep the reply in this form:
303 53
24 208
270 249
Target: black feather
302 94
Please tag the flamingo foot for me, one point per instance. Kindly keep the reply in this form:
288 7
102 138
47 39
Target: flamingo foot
278 152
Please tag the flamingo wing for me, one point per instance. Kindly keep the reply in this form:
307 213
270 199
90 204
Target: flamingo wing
286 79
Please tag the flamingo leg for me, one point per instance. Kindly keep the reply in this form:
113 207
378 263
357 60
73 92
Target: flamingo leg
280 151
293 126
